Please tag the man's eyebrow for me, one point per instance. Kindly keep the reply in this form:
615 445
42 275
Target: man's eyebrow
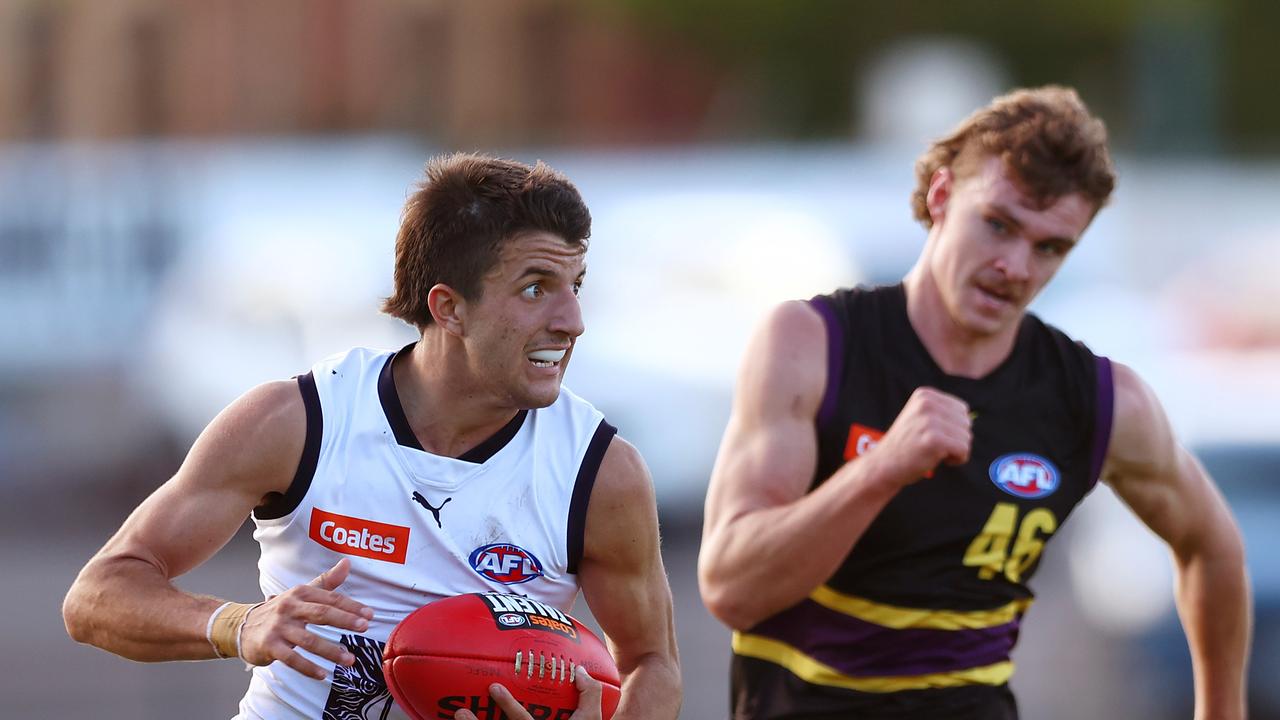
1007 215
544 271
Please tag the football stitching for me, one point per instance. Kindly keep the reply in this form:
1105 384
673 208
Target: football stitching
565 669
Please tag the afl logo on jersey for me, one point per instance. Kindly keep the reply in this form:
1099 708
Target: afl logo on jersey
1024 475
506 564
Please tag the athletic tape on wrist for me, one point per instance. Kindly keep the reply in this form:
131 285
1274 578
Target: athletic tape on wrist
208 630
224 628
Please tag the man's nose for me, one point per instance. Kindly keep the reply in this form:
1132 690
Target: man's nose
567 318
1015 261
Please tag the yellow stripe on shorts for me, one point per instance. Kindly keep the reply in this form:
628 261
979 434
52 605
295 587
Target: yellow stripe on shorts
901 618
812 671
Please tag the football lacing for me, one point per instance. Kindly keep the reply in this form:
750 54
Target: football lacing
561 668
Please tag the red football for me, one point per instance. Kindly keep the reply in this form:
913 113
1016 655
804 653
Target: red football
444 656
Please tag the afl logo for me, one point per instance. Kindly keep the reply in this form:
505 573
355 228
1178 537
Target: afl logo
1024 475
511 619
506 564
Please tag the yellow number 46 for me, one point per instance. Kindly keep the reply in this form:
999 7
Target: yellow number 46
989 551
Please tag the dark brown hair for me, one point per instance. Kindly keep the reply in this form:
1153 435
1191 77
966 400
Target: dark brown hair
455 223
1047 139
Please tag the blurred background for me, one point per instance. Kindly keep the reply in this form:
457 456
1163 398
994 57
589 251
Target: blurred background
196 197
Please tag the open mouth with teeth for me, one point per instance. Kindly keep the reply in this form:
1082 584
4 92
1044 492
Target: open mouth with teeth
546 358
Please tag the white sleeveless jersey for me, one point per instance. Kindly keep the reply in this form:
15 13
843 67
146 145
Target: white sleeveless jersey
507 516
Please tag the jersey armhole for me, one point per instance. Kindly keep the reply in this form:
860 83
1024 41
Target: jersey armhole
835 359
582 492
1104 410
281 505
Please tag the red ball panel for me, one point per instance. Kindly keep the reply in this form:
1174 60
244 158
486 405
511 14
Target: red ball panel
444 656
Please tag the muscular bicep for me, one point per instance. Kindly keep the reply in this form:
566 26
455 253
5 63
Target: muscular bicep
1152 472
251 449
622 575
769 451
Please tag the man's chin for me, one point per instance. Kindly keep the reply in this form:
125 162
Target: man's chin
535 398
986 325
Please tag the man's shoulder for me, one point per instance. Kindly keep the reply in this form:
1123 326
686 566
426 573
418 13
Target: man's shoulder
623 471
872 295
351 359
572 412
1036 328
858 308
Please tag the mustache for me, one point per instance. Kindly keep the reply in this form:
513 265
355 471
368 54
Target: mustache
1000 286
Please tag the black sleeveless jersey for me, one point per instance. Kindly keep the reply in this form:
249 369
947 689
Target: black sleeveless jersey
919 620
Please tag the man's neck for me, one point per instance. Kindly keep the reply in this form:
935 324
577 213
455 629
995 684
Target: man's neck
955 349
448 412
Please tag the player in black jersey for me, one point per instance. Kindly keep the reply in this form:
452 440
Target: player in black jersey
898 457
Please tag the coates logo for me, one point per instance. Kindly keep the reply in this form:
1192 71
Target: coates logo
861 439
357 536
506 563
1024 475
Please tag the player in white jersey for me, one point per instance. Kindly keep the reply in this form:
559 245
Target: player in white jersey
380 481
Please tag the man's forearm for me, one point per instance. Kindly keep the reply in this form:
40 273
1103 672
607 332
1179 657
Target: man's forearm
1214 605
652 690
127 607
773 558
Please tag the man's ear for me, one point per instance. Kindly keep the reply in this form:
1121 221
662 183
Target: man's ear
939 194
448 308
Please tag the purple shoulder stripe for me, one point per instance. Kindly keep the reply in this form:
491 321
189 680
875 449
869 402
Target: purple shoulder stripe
835 357
1104 410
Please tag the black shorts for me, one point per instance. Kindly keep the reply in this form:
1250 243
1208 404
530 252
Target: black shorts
782 696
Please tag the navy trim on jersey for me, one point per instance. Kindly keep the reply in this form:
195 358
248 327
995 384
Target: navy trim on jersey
496 442
391 406
281 505
835 358
582 491
399 422
1104 412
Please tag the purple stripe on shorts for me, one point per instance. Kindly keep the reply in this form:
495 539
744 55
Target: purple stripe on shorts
835 357
1104 410
858 648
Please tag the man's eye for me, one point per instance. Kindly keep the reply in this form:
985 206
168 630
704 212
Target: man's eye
532 291
998 226
577 288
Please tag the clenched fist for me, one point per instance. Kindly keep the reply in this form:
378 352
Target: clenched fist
933 427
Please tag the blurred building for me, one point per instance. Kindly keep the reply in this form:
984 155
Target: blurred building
507 72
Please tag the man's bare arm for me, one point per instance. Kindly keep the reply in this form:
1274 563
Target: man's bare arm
1168 490
124 601
766 543
625 585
